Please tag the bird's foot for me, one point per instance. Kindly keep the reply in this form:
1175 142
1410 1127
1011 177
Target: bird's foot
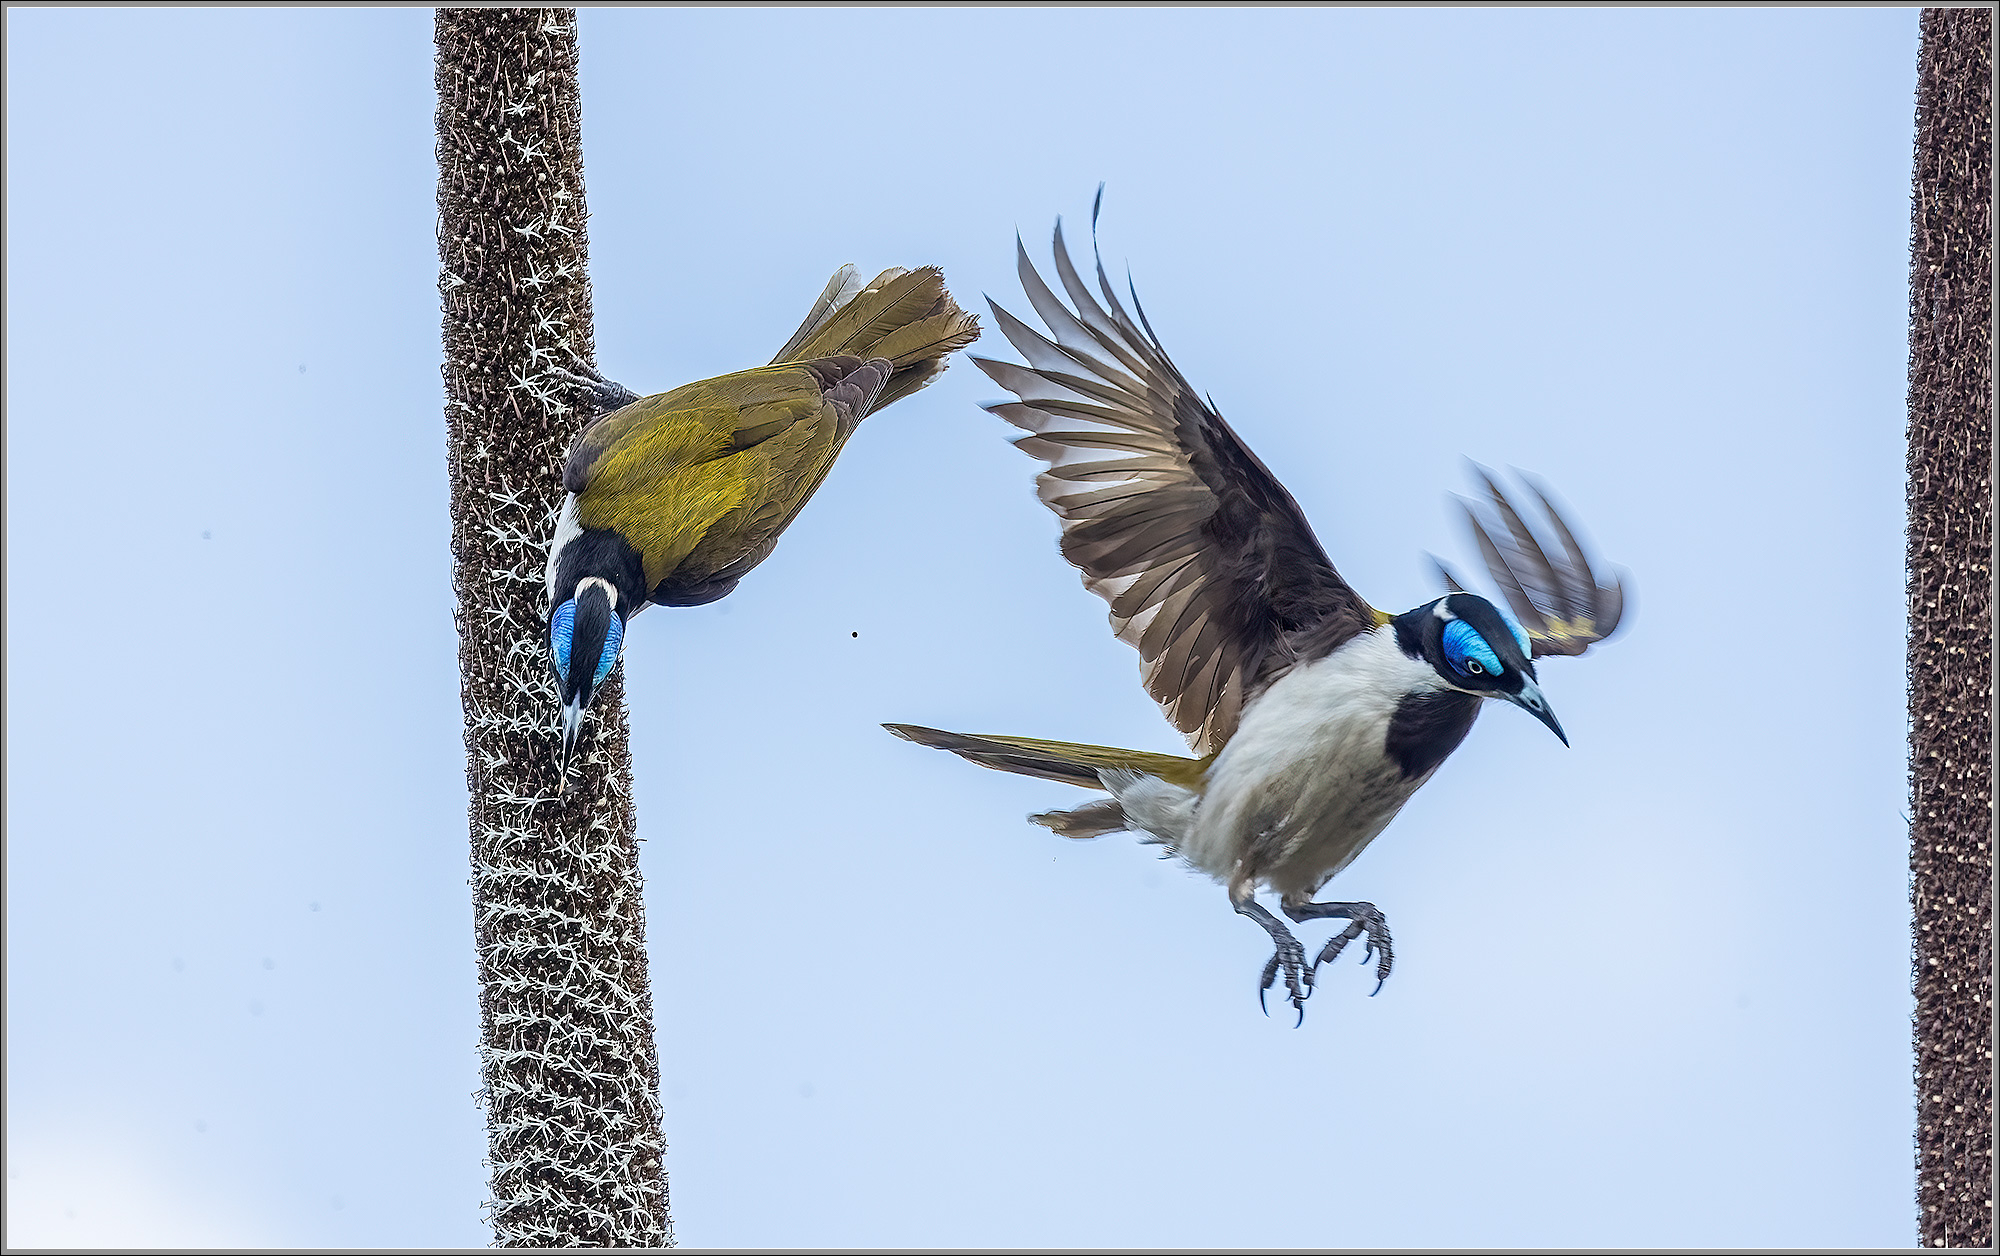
1362 918
606 395
1289 957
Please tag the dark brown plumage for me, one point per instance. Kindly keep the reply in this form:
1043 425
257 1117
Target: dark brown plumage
1209 566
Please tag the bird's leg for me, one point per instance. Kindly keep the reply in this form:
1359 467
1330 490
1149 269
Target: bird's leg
1365 918
1289 956
606 395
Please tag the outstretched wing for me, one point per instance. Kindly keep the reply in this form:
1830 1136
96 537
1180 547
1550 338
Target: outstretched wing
1210 568
1557 599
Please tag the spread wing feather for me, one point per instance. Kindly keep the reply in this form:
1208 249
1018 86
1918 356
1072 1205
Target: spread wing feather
1209 566
1557 597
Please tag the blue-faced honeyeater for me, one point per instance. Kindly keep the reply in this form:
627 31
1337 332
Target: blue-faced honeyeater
1315 715
673 497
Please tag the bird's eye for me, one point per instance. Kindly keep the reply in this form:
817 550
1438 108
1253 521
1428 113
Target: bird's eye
561 626
614 637
1467 651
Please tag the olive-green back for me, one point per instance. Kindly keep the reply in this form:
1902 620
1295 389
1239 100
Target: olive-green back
702 480
718 466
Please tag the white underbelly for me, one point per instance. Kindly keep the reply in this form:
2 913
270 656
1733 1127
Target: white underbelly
1305 784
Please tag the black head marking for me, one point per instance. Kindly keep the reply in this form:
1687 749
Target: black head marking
591 629
1421 634
605 554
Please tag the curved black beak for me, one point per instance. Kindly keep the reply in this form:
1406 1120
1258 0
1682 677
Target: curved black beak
1530 699
572 729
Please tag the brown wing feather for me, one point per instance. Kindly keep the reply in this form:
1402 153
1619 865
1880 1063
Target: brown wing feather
1558 598
1209 566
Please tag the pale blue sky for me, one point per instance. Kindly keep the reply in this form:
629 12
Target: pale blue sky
1650 991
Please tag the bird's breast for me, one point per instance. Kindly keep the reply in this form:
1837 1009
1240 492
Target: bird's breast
1321 763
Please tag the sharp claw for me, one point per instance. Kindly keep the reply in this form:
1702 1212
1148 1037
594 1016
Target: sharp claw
1378 987
1298 990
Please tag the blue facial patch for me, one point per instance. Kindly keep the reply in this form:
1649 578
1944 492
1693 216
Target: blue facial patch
614 634
1514 626
1467 651
561 626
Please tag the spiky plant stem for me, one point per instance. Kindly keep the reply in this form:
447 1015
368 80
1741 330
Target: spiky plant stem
1951 627
568 1061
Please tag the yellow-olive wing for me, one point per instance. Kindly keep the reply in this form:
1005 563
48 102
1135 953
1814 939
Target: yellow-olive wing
702 479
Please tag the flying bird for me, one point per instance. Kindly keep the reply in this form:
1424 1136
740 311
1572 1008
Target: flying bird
672 498
1313 716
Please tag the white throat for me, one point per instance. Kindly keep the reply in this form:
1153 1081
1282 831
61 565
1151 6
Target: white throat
568 528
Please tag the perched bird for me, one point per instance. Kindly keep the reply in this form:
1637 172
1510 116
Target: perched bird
673 497
1315 715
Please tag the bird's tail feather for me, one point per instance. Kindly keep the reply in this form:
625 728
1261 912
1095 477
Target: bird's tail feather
1092 819
906 316
1069 762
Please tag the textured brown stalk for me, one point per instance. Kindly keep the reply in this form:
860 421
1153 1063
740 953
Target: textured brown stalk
1951 629
568 1061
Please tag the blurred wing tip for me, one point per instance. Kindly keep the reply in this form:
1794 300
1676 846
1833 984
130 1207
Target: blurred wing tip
1451 583
1618 594
1591 594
